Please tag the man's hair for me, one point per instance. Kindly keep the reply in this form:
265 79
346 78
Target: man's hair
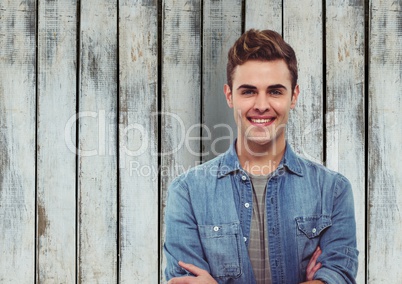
263 45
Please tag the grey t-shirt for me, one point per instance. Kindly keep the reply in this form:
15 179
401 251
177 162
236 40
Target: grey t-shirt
258 245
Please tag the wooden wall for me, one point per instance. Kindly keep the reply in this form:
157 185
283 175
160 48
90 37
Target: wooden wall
103 102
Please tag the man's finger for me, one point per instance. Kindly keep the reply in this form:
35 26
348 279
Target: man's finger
313 266
181 280
314 258
312 271
317 253
192 268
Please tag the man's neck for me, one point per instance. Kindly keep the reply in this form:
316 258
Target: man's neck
260 159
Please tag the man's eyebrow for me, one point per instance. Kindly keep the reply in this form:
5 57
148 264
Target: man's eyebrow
246 86
277 86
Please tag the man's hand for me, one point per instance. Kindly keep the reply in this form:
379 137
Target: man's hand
313 267
201 276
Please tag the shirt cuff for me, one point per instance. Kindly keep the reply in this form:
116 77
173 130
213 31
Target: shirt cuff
329 276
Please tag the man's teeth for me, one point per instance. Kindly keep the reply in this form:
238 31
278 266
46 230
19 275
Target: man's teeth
257 120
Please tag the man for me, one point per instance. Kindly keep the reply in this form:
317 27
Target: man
259 213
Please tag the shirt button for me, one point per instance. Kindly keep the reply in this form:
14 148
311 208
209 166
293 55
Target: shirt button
245 239
243 177
247 205
314 230
216 228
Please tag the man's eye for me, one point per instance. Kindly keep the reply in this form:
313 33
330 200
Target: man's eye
248 92
275 92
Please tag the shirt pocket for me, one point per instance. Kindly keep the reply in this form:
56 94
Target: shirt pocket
221 245
312 226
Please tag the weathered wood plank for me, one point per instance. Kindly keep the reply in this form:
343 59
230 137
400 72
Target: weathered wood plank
181 91
345 122
384 141
264 14
222 26
138 124
17 141
303 31
56 163
97 168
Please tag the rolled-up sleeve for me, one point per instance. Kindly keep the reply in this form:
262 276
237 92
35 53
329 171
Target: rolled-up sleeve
182 241
339 256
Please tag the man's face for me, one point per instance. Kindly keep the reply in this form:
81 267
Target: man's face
261 98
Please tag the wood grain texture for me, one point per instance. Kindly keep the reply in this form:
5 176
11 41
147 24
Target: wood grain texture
345 113
193 61
222 26
303 27
17 140
181 91
264 14
56 163
97 167
384 141
138 132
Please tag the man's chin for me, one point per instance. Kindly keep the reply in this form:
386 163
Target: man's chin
261 141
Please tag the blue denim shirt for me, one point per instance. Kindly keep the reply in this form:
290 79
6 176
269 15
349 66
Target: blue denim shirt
208 219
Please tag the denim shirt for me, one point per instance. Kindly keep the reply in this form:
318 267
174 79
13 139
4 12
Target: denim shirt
208 219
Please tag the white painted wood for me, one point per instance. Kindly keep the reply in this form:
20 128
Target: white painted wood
181 92
384 141
303 31
17 141
263 15
345 122
56 163
221 28
97 168
138 132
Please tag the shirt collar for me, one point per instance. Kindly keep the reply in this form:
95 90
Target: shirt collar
291 161
230 162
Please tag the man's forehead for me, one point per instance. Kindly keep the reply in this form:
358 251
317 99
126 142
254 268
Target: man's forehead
275 72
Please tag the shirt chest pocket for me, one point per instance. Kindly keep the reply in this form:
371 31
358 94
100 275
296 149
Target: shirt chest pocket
221 245
313 226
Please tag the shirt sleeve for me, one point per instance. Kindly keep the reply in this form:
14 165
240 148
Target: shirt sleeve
182 241
339 256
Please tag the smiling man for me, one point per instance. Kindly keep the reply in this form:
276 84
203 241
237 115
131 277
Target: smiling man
259 213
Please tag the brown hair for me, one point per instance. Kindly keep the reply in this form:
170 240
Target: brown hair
263 45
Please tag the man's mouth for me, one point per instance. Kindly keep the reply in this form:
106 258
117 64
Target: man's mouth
261 120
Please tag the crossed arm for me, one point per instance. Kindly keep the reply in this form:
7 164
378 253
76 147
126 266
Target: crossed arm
203 277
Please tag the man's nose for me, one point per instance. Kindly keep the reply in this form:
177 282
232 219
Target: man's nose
261 103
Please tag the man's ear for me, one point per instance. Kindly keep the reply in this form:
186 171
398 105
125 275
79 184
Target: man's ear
228 95
295 95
